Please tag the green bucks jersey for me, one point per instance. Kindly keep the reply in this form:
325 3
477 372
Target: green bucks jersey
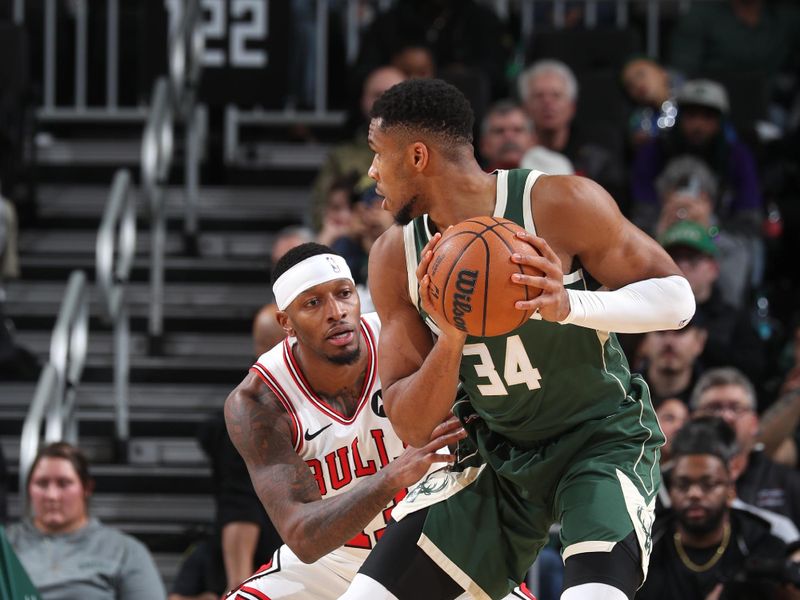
542 379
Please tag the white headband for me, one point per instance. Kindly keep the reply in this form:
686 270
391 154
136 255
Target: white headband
312 271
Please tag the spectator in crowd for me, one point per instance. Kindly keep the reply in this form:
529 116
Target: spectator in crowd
415 60
672 413
751 36
732 339
781 526
506 134
16 362
288 238
703 546
369 222
651 88
466 38
779 424
687 191
507 141
671 360
549 92
67 553
337 217
266 330
700 132
725 392
353 155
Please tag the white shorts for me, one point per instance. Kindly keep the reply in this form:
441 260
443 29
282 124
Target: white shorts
286 577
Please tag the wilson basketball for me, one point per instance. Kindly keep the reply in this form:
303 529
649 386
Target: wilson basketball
471 272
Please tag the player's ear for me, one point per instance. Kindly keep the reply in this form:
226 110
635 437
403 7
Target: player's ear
283 320
419 156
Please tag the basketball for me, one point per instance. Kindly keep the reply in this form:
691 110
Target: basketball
470 275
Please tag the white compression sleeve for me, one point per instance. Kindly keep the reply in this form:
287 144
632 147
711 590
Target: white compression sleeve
648 305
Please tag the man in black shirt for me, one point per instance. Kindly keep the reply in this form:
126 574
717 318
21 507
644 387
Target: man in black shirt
703 548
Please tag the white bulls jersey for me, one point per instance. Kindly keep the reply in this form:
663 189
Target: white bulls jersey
338 450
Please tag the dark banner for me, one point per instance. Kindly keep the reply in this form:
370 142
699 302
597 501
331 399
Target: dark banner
247 51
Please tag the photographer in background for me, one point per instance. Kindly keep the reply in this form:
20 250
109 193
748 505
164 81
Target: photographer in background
703 549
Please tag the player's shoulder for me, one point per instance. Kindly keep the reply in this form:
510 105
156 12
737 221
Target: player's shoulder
387 258
388 242
567 196
273 358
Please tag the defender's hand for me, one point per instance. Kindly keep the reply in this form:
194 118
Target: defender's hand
413 463
553 302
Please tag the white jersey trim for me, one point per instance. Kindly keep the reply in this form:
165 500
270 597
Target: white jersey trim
527 209
501 196
276 388
299 379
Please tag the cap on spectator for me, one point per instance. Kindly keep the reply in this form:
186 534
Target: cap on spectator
691 235
703 92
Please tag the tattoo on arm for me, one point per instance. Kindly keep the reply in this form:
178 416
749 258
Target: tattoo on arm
312 526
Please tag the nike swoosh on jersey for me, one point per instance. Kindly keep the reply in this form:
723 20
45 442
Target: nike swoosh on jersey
310 436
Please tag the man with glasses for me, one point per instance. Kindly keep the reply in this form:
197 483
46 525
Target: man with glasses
703 548
728 394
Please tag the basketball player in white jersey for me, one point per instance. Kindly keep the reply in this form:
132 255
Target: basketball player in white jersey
309 422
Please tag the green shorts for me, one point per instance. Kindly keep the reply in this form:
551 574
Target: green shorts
599 481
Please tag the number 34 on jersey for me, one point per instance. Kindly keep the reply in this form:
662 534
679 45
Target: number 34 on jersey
517 369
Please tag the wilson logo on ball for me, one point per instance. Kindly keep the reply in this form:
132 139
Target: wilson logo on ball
462 300
470 277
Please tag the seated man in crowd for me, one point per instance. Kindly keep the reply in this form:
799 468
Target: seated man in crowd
732 340
506 134
507 141
688 191
651 88
701 132
670 360
548 90
728 394
704 549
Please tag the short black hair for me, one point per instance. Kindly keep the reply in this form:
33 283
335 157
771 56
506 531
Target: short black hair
705 435
298 254
429 105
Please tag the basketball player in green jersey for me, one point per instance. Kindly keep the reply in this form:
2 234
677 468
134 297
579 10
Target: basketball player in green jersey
565 432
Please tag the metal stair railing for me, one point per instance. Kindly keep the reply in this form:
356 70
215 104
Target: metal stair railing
56 390
172 99
115 250
186 47
157 150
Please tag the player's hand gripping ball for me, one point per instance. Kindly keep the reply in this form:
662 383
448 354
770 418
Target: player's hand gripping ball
470 276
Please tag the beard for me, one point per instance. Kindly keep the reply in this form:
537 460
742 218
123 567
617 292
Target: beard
707 525
405 215
348 358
